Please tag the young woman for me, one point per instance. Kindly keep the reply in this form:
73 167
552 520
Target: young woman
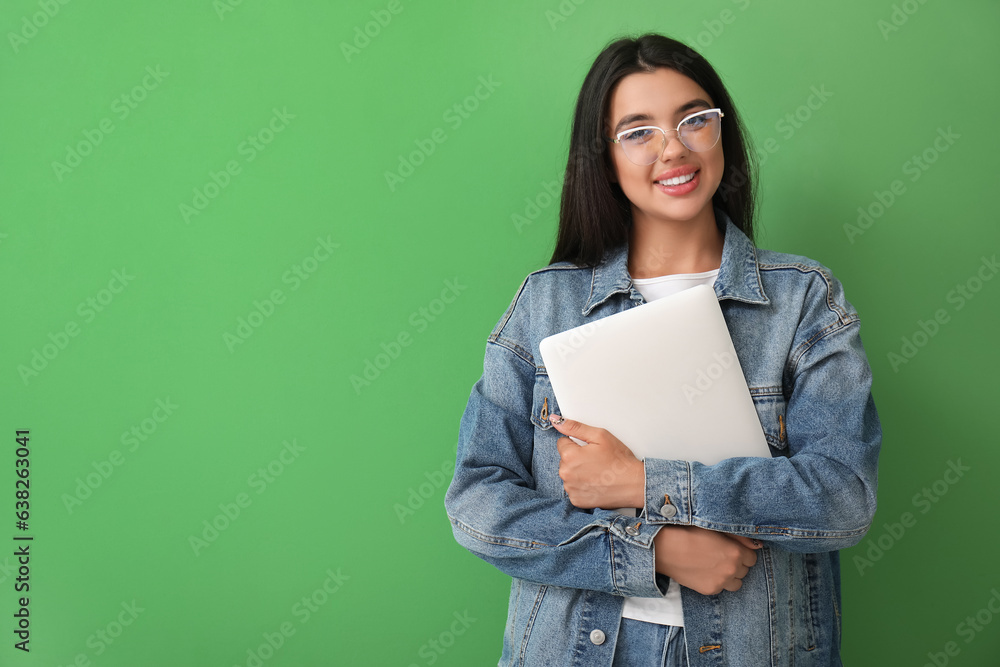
728 564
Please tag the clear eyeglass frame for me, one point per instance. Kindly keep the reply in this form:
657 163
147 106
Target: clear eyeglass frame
677 131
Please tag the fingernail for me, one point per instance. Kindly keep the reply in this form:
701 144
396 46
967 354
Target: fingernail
756 543
556 419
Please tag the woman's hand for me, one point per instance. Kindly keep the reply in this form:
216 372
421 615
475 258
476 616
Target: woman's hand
603 473
704 560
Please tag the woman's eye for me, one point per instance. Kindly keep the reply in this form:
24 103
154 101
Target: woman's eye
639 136
696 122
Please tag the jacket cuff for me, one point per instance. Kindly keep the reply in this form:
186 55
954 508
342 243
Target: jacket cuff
633 565
668 492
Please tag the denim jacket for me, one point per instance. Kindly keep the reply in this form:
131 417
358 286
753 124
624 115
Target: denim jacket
797 340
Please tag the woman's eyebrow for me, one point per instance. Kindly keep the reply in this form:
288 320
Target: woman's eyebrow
631 118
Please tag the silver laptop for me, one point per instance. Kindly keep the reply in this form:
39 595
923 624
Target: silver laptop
662 377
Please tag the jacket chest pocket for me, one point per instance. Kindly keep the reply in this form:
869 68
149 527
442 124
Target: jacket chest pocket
771 410
545 456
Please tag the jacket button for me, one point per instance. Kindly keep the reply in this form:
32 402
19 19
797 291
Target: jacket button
632 530
668 511
597 637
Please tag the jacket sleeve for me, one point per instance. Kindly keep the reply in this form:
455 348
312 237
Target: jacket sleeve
498 513
822 495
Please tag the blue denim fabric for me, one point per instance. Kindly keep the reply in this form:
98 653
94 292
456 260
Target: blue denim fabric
642 644
798 344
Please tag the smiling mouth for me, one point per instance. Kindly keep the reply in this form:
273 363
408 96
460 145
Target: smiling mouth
680 180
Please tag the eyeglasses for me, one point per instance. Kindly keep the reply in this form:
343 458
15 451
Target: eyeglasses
698 132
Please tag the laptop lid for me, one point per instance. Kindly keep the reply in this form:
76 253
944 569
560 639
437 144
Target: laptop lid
662 377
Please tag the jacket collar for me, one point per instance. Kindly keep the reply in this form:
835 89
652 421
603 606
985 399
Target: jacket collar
738 279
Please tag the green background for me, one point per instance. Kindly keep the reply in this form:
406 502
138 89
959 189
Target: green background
330 513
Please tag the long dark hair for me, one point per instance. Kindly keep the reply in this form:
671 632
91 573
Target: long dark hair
594 213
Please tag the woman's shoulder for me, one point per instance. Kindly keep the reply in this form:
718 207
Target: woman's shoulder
548 299
773 260
554 281
792 276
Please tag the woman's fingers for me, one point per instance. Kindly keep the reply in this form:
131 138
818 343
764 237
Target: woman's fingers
577 429
604 473
706 561
748 542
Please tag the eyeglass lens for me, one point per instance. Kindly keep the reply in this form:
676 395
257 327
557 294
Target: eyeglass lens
698 133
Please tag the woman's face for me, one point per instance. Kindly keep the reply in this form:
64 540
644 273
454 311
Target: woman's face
663 98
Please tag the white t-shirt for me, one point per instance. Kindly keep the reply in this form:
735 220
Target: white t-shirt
666 610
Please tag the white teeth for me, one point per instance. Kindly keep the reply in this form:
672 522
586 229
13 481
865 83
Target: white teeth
678 180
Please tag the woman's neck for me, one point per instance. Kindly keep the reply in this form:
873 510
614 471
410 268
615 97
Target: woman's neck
661 247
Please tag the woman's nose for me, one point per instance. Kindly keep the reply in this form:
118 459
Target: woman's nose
674 145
